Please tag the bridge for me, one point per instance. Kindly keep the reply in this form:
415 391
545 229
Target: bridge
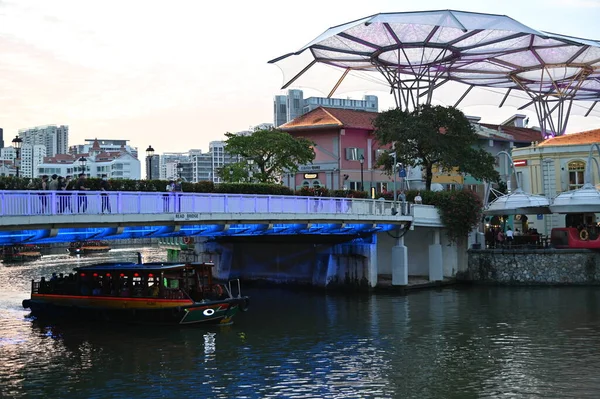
49 216
320 240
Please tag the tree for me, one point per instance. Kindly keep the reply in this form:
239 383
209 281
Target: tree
273 153
433 136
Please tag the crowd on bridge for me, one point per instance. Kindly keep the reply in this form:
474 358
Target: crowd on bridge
62 184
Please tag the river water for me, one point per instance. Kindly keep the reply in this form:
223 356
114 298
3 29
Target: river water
472 342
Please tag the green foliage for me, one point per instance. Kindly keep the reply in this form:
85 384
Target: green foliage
460 211
273 153
433 136
252 188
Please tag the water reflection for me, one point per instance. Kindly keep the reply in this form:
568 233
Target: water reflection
455 343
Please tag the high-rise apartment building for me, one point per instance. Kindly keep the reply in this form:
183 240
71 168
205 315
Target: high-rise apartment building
294 104
1 138
54 138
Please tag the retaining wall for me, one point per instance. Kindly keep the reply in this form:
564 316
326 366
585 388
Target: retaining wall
533 267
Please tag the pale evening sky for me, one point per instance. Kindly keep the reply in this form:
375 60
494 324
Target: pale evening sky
178 74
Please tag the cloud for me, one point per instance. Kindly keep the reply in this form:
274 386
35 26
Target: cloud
576 3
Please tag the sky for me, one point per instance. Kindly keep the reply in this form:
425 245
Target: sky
178 74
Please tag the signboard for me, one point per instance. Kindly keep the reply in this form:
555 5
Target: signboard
402 172
311 175
520 163
540 217
187 216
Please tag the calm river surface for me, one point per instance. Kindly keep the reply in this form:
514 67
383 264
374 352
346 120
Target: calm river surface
475 342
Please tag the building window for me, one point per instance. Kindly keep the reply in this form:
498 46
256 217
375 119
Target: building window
576 171
282 108
353 154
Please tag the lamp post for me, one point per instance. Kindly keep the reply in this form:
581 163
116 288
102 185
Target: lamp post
17 142
394 211
250 169
149 155
362 161
82 163
179 170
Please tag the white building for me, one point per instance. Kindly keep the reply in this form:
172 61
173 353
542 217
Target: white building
113 164
108 145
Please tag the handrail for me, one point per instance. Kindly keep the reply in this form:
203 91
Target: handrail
49 203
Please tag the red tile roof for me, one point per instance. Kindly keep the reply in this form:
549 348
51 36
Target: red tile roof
581 138
332 117
520 134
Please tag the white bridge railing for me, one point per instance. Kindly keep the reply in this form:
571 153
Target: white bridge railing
31 203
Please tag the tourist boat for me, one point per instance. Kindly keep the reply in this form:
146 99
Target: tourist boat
88 247
571 237
153 293
20 253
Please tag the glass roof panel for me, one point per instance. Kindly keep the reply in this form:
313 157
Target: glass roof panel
504 45
473 20
447 34
590 55
431 18
522 59
376 34
557 55
485 66
540 41
410 33
483 37
550 74
336 55
339 42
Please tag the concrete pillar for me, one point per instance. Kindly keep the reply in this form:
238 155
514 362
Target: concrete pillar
372 265
399 263
436 271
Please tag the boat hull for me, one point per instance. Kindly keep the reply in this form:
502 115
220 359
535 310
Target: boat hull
135 310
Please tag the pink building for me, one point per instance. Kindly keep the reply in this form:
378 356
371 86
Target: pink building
342 138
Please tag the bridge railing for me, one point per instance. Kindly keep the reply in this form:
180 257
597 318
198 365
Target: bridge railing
19 203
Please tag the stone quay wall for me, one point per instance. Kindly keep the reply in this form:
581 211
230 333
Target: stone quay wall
533 267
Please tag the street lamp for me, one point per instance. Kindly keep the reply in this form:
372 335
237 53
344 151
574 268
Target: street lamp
17 142
362 161
82 163
250 167
149 155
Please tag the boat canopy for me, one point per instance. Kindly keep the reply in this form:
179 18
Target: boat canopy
143 267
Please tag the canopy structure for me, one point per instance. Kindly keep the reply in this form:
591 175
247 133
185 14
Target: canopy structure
417 52
518 202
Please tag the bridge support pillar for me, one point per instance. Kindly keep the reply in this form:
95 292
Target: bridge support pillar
436 270
349 265
399 263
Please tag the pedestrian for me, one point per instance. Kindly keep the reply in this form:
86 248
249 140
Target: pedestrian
66 185
53 184
43 196
500 238
104 187
167 196
418 199
82 201
402 199
177 190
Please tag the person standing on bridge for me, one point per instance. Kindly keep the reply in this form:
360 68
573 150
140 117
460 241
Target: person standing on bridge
44 196
167 196
104 187
82 200
177 190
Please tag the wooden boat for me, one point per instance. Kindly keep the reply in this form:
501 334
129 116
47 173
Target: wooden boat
20 253
88 247
154 293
